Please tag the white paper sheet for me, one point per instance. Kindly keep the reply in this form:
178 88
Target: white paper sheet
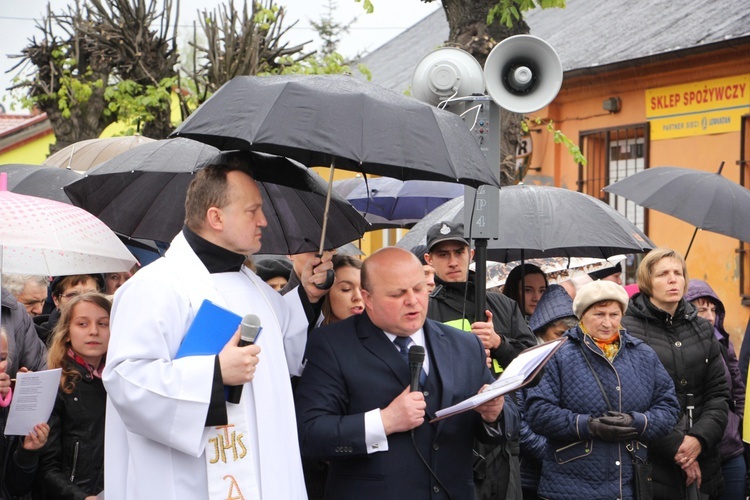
514 376
33 400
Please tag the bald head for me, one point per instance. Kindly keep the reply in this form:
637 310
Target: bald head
394 290
381 260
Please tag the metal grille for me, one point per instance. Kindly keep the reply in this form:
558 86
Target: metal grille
613 154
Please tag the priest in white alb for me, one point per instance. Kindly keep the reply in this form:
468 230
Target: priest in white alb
170 434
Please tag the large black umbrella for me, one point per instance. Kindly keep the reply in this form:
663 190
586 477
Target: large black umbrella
545 221
40 181
361 126
343 122
391 203
141 193
706 200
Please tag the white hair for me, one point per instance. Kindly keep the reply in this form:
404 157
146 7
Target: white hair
15 283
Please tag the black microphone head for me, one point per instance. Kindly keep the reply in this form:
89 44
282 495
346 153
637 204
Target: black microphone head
416 355
249 328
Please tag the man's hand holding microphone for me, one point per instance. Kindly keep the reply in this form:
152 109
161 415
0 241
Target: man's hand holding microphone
239 357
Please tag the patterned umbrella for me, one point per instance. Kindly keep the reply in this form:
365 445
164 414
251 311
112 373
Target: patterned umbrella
50 238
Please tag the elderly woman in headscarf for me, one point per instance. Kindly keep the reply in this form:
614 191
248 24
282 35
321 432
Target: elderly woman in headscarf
603 396
686 346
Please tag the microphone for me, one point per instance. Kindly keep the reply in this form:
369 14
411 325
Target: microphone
416 359
249 330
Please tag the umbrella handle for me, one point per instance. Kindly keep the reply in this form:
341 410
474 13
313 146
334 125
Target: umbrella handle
328 283
330 276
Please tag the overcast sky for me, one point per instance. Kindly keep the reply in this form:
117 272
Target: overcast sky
369 31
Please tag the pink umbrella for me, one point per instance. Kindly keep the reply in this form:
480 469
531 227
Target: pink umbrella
49 238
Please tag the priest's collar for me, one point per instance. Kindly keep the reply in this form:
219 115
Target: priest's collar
216 259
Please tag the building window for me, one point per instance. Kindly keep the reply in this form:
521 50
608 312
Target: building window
744 250
613 154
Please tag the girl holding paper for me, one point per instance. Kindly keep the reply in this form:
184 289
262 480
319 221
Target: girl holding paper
72 463
18 467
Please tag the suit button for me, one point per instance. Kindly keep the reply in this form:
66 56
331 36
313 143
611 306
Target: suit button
683 382
436 489
678 344
435 447
426 393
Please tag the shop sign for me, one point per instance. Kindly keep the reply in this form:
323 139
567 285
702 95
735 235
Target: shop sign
700 108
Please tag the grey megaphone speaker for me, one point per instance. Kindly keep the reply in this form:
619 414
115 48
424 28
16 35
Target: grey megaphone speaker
523 73
446 73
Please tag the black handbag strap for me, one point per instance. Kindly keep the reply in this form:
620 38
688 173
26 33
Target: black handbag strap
596 377
628 446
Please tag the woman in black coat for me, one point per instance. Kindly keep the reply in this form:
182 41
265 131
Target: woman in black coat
686 346
72 462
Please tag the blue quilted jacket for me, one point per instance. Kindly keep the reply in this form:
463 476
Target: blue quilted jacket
575 465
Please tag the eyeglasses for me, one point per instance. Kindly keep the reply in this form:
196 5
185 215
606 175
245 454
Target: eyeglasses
72 295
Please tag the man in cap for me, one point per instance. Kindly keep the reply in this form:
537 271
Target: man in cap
503 332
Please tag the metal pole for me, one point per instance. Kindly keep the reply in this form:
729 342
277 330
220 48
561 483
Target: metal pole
480 281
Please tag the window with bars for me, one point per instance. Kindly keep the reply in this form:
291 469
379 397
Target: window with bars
744 249
613 154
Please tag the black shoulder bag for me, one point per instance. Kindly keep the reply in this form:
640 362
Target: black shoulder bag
643 471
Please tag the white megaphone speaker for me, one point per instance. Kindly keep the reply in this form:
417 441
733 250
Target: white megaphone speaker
523 73
446 73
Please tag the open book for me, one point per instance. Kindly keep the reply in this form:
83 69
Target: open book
518 373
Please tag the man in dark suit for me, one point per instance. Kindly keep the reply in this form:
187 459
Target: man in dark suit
355 409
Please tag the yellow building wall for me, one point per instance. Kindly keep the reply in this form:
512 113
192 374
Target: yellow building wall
578 108
32 153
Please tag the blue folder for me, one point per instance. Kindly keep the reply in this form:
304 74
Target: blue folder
209 332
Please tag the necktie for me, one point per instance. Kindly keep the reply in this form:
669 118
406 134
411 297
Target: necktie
403 347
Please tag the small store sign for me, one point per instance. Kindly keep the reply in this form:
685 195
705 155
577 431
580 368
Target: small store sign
700 108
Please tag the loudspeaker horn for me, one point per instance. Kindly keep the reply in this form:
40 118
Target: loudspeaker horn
523 73
445 73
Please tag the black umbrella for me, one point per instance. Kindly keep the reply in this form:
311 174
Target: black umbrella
343 122
362 126
39 181
706 200
545 221
141 193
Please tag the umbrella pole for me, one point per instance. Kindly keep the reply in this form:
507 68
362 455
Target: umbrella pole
691 242
330 276
480 278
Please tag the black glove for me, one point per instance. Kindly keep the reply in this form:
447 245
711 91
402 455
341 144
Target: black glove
608 432
617 418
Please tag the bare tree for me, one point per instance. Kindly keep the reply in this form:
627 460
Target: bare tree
242 43
138 39
96 61
70 78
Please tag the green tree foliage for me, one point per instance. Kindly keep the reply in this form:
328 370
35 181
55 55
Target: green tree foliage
97 62
508 12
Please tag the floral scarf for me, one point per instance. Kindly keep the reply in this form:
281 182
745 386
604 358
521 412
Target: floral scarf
609 346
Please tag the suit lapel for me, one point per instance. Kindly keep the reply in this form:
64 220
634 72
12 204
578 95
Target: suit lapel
374 340
441 361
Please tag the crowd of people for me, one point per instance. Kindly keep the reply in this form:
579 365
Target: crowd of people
644 399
